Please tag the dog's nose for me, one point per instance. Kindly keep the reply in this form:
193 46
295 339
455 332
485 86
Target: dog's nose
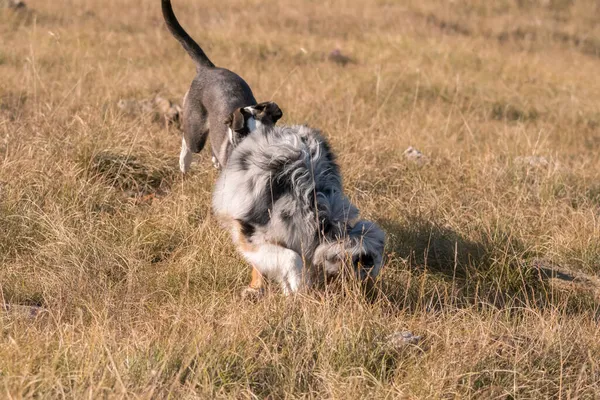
363 260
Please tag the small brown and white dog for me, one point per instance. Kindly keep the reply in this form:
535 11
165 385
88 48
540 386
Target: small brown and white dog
281 197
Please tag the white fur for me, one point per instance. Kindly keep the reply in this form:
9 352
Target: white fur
253 124
278 263
185 157
230 134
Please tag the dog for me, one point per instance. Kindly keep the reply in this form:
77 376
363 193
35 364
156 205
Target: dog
280 195
214 94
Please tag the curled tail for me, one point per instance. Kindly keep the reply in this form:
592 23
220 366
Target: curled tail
181 35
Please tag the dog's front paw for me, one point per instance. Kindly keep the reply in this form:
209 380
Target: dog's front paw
252 294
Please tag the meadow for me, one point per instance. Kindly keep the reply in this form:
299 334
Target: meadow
117 282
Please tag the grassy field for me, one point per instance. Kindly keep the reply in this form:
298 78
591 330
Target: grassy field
493 252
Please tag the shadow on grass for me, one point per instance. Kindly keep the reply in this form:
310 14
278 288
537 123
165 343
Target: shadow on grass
431 267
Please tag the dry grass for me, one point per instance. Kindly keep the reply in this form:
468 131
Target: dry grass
139 287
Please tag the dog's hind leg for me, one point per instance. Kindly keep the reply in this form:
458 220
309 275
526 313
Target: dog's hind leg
195 133
278 263
191 144
185 157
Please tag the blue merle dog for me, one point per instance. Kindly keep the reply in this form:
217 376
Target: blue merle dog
281 197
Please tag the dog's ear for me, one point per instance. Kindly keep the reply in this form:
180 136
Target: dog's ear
236 120
274 111
267 112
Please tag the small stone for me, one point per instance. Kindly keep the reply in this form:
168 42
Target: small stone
414 155
146 106
12 4
128 106
162 104
158 106
169 110
400 339
337 57
532 161
17 310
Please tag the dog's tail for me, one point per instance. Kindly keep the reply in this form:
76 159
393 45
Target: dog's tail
181 35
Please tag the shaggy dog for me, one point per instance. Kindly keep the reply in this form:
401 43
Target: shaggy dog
281 197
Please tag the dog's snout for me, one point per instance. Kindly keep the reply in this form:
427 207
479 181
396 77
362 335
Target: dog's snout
364 261
363 265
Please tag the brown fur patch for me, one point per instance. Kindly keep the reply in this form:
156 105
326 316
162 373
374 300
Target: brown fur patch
257 279
242 241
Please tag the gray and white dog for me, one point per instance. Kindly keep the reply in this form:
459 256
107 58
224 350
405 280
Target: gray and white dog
281 197
214 94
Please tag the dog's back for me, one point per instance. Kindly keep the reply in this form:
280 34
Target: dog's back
283 186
